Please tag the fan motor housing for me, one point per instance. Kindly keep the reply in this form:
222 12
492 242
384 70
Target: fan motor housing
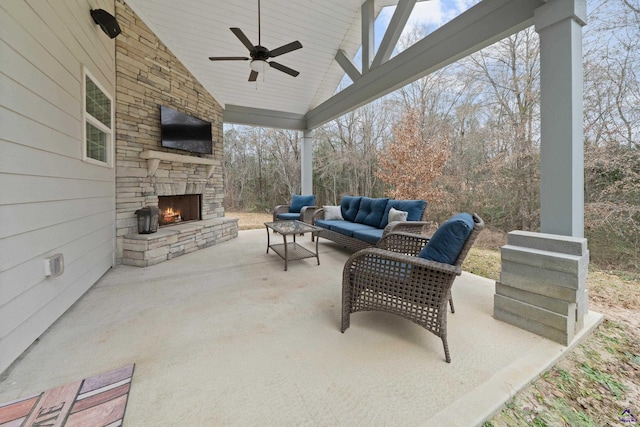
260 53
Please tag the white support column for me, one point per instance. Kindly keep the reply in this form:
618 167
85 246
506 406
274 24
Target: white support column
559 23
306 168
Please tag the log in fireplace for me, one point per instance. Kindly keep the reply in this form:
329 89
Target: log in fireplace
175 209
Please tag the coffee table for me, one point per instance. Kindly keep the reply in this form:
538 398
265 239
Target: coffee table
291 251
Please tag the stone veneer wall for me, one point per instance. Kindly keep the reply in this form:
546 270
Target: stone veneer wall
148 76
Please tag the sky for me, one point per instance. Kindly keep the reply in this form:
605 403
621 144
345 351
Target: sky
432 13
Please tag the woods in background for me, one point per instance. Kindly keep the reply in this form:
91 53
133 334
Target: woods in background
467 138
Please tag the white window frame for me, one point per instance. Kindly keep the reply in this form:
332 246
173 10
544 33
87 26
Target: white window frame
86 117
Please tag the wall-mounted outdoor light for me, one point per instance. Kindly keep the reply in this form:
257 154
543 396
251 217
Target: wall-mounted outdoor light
107 22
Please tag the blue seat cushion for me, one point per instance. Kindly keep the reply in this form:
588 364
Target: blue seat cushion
299 202
414 209
349 207
341 226
370 211
447 242
348 228
370 236
326 223
288 216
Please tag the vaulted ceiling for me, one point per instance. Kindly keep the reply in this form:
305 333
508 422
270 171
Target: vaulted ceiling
194 30
197 29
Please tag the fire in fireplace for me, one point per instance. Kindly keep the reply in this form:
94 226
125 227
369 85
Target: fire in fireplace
175 209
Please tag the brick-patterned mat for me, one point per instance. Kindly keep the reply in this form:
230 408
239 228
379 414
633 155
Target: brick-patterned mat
95 401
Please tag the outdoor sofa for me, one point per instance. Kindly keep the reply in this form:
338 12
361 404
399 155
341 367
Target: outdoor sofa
360 222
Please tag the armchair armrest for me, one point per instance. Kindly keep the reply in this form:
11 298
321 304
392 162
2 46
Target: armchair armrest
307 213
404 243
375 267
317 214
415 227
278 210
382 254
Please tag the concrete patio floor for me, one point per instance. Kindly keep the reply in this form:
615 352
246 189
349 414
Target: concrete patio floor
224 336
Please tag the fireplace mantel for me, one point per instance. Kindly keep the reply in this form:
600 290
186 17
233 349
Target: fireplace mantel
154 157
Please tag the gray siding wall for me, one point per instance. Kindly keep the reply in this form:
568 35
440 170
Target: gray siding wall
51 201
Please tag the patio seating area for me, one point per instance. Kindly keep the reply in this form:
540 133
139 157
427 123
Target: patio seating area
224 336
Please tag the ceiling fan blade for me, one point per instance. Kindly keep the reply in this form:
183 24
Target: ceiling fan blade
284 69
240 35
285 49
253 76
228 58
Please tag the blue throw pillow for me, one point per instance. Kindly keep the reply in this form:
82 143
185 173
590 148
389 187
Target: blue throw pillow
349 207
370 211
414 209
447 242
299 202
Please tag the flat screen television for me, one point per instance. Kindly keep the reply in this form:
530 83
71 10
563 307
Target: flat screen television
184 132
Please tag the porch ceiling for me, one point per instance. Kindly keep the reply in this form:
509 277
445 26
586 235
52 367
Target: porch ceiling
197 29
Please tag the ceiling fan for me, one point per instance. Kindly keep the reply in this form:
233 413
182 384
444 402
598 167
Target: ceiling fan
258 55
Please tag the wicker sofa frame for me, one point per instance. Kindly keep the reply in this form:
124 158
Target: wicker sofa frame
354 244
391 278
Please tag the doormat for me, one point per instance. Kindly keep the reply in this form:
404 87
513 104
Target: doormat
95 401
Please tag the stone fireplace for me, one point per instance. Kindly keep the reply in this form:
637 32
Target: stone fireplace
149 76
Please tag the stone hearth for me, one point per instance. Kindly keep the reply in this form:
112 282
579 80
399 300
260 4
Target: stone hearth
142 250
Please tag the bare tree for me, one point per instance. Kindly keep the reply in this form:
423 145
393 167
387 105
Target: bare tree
510 70
612 86
347 151
285 161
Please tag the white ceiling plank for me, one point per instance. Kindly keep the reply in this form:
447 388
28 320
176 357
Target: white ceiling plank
478 27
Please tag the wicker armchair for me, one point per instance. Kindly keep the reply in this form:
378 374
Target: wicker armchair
303 209
392 278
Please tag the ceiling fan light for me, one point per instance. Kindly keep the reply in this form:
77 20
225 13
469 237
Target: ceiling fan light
259 65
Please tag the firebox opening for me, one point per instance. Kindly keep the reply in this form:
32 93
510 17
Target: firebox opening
176 209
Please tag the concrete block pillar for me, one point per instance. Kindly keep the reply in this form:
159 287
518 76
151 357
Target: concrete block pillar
542 286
